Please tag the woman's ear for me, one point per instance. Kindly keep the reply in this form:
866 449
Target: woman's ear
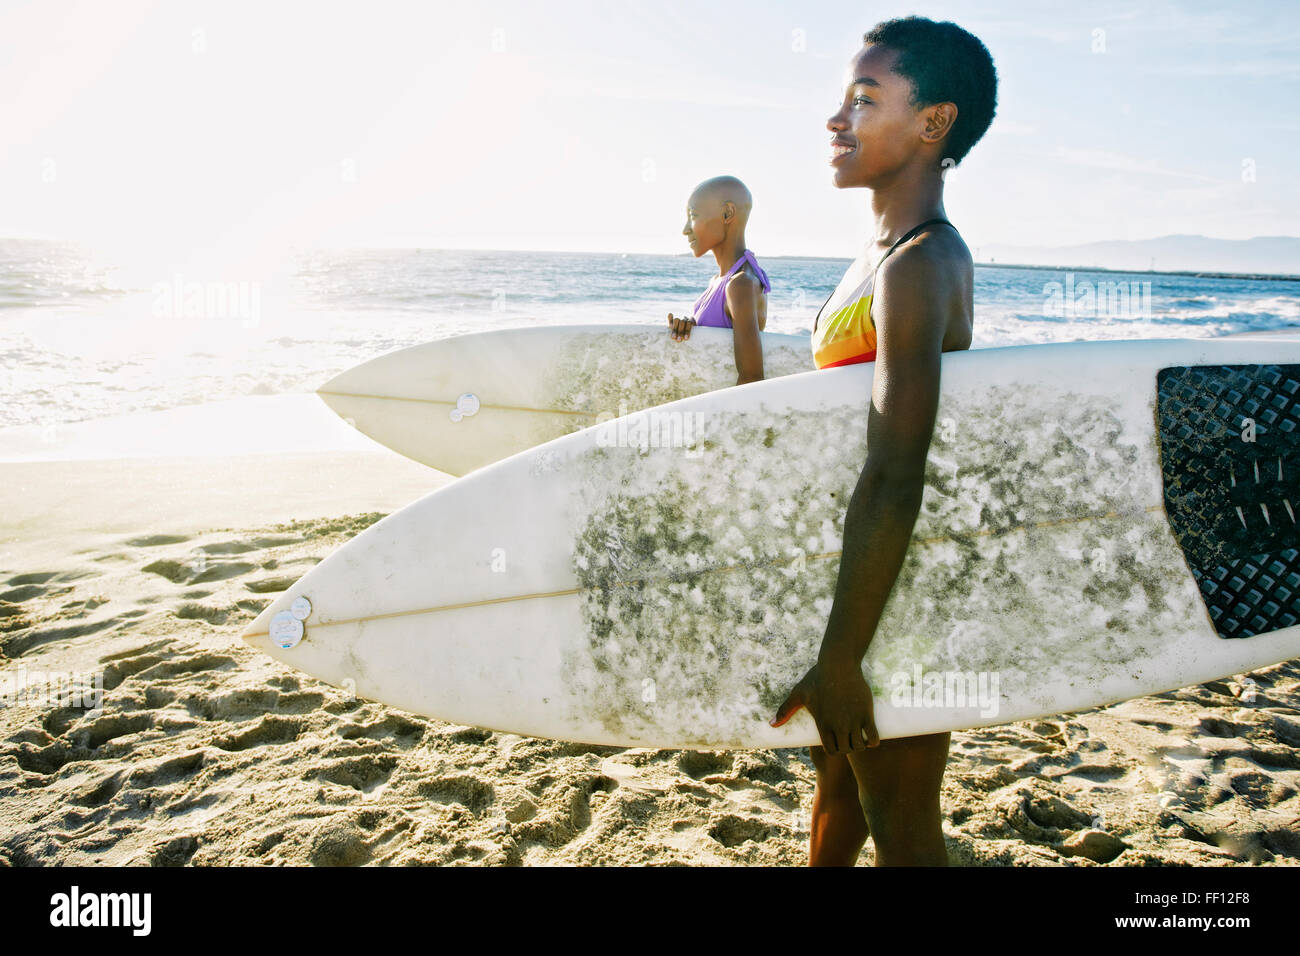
939 120
728 211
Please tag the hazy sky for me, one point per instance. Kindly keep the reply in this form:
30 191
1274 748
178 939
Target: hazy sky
238 127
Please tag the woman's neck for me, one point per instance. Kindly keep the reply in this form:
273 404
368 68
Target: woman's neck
905 203
729 252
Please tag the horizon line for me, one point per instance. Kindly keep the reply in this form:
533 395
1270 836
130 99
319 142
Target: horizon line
1203 273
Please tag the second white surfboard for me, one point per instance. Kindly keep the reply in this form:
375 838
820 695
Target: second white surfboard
460 403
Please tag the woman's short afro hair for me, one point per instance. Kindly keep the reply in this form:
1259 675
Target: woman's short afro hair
944 64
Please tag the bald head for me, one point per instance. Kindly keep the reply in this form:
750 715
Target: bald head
724 189
716 215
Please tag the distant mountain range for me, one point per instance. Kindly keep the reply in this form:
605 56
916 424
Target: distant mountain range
1276 255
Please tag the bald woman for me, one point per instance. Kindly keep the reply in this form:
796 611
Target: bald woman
736 298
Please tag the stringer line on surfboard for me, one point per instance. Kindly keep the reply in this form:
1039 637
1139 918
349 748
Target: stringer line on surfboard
822 556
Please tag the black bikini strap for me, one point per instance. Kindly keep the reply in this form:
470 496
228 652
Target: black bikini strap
901 239
908 235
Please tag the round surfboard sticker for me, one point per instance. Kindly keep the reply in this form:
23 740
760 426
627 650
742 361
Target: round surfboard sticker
286 630
466 405
300 608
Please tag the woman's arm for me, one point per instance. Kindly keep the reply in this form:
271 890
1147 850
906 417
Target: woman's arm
743 298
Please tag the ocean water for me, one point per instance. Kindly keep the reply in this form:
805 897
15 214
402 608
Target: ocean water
84 338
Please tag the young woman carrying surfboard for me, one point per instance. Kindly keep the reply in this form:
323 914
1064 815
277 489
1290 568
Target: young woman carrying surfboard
917 97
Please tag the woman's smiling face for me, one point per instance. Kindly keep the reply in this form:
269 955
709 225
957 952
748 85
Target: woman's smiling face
876 127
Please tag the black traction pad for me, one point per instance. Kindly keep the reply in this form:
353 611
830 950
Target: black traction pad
1230 463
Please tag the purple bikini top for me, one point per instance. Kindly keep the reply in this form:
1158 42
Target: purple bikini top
710 308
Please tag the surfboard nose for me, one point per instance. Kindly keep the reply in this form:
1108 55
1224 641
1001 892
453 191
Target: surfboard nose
378 375
340 385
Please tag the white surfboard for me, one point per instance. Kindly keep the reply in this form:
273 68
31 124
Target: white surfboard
1100 521
463 402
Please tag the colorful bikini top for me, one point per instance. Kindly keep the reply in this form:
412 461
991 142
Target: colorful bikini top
849 335
711 307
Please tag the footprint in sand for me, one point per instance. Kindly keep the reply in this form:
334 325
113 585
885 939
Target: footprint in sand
156 540
272 585
198 571
363 773
268 731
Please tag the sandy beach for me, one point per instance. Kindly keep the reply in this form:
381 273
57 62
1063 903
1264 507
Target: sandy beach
144 570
